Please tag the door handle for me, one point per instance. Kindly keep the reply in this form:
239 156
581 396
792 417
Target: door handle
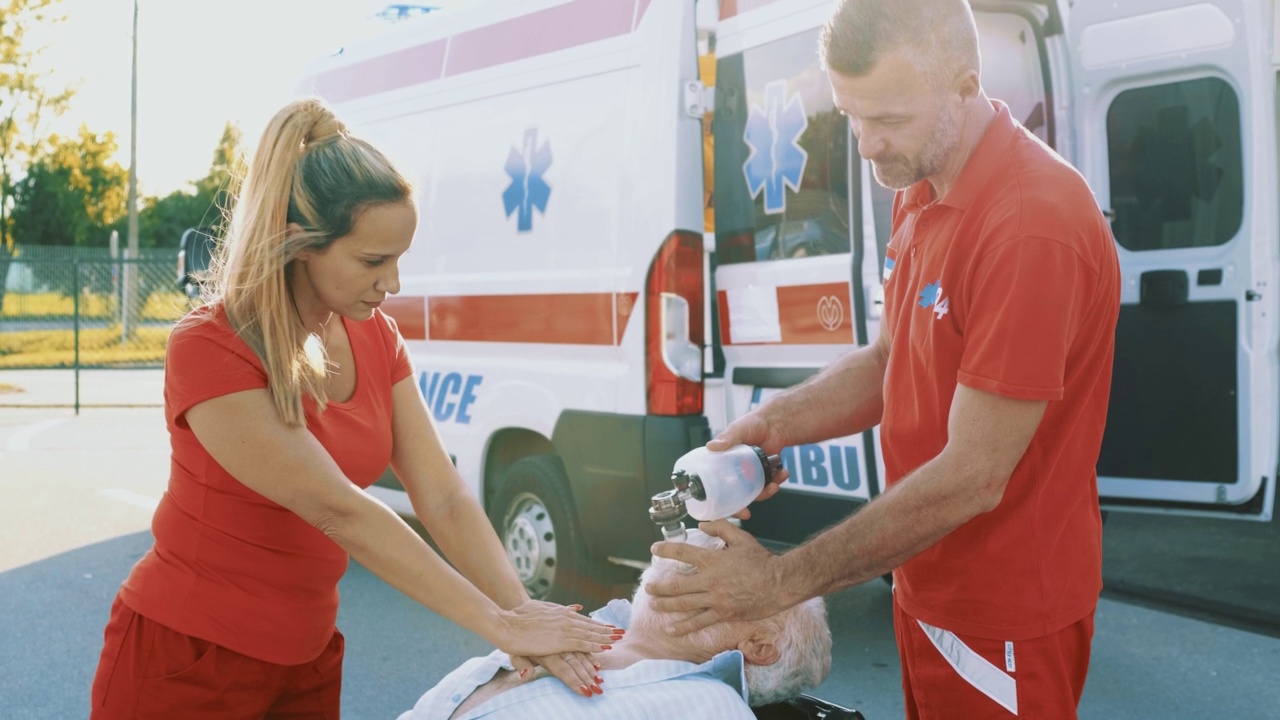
875 306
1164 288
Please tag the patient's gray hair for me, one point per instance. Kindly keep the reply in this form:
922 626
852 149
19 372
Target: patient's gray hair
940 35
804 643
800 633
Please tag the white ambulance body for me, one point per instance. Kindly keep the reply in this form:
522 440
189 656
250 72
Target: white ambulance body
575 332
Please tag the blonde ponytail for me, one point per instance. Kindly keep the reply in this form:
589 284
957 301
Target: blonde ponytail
309 171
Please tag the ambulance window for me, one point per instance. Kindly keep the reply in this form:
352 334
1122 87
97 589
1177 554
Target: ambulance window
781 185
1176 165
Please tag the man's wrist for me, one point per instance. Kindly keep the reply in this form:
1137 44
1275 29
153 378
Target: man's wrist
780 571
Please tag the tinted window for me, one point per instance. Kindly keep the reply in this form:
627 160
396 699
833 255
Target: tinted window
1176 175
781 189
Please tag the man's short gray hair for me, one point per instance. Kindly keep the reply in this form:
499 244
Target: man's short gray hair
803 639
940 35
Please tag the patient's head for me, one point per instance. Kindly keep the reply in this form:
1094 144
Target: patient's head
786 654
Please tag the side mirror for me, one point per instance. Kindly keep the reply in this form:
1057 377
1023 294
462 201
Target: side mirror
193 259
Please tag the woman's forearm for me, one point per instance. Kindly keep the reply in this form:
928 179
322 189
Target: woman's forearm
384 544
462 531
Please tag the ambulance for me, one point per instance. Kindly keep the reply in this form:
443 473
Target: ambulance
639 219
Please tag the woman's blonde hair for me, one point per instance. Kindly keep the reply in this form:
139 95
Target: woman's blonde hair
308 171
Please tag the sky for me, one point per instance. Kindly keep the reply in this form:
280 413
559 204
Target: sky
201 63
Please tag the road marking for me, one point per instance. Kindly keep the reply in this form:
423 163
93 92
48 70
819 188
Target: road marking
132 498
21 440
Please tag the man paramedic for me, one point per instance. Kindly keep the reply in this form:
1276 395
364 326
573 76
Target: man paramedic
712 673
989 380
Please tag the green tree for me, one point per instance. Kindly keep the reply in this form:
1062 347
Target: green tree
27 103
161 221
228 169
72 194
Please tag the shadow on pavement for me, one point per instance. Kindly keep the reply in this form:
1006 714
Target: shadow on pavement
54 612
1223 571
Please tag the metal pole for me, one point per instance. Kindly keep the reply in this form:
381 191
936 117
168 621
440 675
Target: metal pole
130 273
75 287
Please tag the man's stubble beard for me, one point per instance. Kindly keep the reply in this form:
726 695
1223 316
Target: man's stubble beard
900 173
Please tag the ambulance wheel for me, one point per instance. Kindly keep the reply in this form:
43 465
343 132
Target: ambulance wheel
532 512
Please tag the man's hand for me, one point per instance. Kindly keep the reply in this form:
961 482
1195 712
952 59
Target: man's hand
753 429
737 582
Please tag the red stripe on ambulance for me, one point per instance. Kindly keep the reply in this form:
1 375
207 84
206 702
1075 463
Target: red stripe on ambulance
410 314
538 33
418 64
808 315
560 319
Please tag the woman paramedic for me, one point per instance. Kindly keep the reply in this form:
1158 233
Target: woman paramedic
285 396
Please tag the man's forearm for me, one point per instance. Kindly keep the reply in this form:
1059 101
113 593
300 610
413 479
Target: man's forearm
845 398
914 514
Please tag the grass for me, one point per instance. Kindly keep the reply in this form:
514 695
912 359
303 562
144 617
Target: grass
99 346
163 305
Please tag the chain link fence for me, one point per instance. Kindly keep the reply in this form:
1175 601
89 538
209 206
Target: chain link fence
79 308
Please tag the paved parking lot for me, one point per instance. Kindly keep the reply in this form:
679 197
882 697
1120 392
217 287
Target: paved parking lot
75 501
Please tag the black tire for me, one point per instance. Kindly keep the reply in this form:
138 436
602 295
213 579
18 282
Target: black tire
533 515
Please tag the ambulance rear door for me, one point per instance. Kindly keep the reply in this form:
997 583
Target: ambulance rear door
801 226
789 300
1174 117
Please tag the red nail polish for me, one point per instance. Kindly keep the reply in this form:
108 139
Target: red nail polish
522 672
606 647
584 690
598 666
598 679
597 689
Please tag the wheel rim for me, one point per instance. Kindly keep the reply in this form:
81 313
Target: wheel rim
530 539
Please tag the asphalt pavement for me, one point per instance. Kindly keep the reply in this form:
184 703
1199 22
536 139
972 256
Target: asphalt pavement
76 495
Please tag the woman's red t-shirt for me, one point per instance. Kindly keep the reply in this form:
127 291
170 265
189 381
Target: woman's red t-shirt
228 565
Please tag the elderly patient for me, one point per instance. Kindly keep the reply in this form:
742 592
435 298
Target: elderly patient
714 673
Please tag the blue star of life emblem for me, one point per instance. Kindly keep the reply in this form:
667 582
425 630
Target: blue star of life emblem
773 134
528 190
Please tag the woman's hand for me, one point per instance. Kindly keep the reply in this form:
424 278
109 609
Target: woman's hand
577 670
536 628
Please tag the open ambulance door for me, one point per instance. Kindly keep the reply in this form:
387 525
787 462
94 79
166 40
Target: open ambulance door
788 245
1174 108
801 226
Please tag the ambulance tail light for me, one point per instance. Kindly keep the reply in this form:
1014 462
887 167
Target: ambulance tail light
674 332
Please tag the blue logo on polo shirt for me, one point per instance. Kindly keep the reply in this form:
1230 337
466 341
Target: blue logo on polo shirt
931 297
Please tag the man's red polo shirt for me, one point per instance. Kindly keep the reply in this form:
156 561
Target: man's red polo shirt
1011 285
